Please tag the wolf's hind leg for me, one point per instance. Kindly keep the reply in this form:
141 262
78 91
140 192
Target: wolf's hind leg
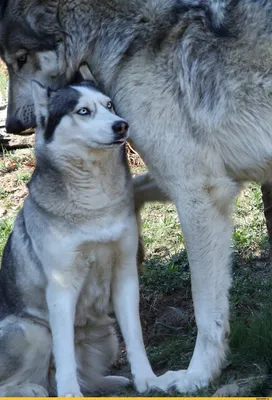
25 348
146 190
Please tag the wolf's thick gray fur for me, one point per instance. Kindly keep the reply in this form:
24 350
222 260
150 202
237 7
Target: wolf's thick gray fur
194 80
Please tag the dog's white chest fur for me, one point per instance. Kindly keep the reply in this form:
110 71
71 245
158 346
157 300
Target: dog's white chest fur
87 259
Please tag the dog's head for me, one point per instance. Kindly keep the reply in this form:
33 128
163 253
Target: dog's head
76 118
31 46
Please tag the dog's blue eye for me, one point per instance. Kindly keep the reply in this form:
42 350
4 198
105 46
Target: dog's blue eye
109 105
84 111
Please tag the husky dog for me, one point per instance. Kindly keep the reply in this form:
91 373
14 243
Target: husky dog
71 253
194 80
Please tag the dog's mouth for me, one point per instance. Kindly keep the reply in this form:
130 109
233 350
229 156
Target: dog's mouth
117 142
120 141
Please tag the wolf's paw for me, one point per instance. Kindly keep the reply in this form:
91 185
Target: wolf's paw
182 381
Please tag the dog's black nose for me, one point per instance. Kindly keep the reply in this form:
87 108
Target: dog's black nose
14 126
120 128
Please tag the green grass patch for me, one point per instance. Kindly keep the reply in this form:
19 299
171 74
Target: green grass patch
22 177
166 277
174 353
3 82
250 233
6 226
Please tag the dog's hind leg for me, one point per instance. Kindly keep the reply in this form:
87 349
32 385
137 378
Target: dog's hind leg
25 348
23 390
203 207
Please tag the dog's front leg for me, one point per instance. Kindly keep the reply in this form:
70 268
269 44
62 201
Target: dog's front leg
125 297
61 301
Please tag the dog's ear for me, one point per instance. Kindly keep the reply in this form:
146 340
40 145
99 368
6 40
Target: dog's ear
86 74
40 97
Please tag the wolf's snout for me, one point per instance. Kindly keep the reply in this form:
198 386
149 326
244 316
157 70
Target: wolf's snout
120 128
13 125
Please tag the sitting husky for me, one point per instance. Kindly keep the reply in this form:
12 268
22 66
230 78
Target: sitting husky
72 252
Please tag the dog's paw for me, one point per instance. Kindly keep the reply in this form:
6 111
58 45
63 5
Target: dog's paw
141 385
67 390
144 384
72 394
68 387
183 381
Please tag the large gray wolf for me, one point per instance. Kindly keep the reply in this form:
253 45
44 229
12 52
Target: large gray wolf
194 80
72 254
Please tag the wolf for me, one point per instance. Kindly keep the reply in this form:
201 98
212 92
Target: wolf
72 254
194 80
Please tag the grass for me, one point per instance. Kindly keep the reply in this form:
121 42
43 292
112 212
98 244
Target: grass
166 303
15 171
6 225
16 160
3 81
22 177
3 193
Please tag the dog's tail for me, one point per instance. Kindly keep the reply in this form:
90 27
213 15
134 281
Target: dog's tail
103 385
96 351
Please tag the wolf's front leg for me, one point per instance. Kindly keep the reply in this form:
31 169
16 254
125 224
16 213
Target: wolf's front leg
125 296
204 205
61 298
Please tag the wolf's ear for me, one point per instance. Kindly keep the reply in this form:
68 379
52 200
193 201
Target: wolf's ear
85 73
40 97
40 18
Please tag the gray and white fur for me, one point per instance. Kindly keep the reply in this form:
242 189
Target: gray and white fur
194 80
72 255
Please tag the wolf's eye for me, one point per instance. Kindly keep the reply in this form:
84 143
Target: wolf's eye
109 105
84 111
22 60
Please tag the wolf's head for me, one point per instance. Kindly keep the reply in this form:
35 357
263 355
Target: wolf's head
47 40
76 118
30 45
